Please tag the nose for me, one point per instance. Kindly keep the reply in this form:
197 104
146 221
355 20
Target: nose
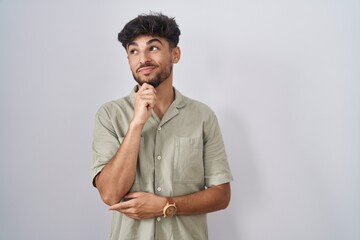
144 58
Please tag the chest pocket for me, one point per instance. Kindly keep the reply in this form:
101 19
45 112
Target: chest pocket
188 160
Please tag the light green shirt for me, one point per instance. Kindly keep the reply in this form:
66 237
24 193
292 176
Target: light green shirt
180 154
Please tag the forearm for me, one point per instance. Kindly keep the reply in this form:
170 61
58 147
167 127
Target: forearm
209 200
117 177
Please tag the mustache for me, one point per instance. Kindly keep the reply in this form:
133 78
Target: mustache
146 64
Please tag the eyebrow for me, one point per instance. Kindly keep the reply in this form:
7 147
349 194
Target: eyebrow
147 43
153 40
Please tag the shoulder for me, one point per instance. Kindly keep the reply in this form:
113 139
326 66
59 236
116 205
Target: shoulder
199 107
112 108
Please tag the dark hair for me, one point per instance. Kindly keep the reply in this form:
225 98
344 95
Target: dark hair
153 24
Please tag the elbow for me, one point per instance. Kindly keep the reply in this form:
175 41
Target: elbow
226 193
109 199
107 196
225 203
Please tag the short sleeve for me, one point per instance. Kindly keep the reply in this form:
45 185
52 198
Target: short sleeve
105 142
217 170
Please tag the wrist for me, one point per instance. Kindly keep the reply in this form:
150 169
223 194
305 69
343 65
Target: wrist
163 202
136 125
170 208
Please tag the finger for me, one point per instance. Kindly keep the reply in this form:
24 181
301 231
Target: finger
147 94
144 89
146 86
115 206
147 97
147 102
121 206
133 195
133 216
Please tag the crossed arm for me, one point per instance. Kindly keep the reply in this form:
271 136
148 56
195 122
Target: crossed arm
117 177
147 205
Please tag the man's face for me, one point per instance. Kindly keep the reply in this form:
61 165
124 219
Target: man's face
151 59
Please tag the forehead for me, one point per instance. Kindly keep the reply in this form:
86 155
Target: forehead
144 40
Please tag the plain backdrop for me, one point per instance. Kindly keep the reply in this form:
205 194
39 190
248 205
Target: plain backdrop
282 76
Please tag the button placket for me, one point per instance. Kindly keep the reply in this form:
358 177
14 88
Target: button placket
158 157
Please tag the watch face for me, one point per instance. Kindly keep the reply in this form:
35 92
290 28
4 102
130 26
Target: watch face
170 211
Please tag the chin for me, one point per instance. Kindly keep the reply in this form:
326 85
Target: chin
153 83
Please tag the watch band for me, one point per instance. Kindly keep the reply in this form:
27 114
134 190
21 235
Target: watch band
170 200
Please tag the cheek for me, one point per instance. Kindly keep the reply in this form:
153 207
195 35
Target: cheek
164 60
132 65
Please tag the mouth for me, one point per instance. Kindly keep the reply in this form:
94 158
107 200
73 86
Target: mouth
146 70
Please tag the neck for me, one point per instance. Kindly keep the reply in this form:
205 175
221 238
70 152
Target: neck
164 97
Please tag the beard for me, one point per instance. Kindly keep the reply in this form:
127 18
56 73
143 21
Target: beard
156 80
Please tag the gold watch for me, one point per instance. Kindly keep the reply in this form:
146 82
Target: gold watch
170 208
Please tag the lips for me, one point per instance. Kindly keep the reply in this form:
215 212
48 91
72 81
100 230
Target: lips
146 70
147 67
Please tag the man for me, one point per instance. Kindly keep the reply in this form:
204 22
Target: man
158 157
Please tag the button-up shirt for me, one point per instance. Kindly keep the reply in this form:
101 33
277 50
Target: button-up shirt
180 154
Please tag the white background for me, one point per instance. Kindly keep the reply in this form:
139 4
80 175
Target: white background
282 76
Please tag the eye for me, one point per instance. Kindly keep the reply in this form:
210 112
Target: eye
154 48
133 51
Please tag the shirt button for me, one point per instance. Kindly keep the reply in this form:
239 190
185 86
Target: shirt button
158 219
159 157
159 128
158 189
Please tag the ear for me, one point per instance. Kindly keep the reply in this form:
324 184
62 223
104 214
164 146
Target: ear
176 54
